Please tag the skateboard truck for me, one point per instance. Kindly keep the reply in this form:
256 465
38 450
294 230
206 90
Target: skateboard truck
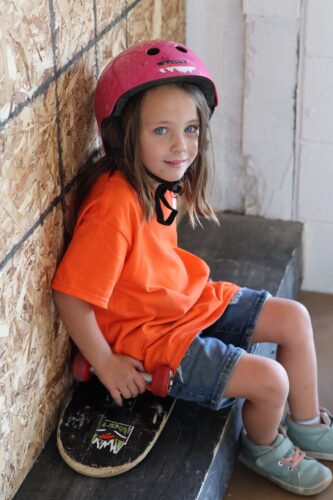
160 380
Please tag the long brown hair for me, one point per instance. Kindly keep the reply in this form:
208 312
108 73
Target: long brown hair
122 147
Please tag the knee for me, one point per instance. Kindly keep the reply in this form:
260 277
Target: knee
273 383
298 322
285 322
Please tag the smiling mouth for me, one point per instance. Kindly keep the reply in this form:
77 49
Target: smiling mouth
175 163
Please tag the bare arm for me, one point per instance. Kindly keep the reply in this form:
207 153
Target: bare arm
120 374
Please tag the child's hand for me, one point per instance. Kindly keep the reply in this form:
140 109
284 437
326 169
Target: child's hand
121 376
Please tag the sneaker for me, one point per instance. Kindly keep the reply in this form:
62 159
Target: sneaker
285 465
315 440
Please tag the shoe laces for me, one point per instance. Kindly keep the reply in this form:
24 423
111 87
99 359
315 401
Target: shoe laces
293 460
325 417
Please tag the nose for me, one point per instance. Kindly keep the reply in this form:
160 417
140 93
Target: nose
178 143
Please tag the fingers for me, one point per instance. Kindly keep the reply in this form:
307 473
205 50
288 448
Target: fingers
137 386
124 393
131 389
140 383
123 378
116 395
138 365
135 381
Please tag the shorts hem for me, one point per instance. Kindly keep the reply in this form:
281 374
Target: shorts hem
218 400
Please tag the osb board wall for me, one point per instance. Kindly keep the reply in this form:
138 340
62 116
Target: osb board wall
51 53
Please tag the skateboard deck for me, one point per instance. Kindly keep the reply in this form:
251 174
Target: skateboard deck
97 438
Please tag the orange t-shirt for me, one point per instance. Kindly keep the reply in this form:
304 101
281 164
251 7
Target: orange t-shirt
150 297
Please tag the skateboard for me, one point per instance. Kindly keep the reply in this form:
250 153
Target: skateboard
98 438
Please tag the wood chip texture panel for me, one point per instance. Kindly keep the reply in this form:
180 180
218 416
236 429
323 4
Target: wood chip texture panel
51 53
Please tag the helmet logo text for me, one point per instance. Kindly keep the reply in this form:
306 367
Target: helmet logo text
171 61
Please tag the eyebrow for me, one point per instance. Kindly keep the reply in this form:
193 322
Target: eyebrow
168 122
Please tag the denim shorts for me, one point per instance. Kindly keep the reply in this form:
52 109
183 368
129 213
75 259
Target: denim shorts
208 363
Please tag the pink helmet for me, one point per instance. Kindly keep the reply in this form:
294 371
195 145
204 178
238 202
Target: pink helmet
145 65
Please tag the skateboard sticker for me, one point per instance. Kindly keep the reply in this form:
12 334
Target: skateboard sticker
112 434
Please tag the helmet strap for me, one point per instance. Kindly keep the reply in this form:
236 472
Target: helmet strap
164 186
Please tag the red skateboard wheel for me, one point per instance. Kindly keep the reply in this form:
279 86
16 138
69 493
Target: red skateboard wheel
161 380
81 369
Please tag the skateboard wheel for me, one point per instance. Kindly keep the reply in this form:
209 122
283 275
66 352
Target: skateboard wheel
80 368
161 380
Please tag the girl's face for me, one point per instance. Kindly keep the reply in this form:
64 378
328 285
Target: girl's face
169 131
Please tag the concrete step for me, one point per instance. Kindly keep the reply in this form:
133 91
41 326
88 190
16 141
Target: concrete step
194 456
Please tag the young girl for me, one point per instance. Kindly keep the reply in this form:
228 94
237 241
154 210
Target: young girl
132 300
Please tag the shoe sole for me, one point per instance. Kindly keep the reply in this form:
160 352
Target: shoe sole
293 489
321 456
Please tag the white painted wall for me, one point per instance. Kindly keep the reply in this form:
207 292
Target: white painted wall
215 30
273 132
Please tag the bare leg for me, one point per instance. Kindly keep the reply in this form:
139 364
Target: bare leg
288 324
264 385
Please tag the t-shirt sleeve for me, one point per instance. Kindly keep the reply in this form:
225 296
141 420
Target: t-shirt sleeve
93 260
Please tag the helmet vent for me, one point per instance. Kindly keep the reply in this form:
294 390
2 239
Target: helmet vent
153 51
181 49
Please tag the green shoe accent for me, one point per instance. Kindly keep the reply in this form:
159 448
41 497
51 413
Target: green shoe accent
285 465
315 440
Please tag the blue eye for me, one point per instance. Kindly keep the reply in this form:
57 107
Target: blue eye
192 129
160 130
